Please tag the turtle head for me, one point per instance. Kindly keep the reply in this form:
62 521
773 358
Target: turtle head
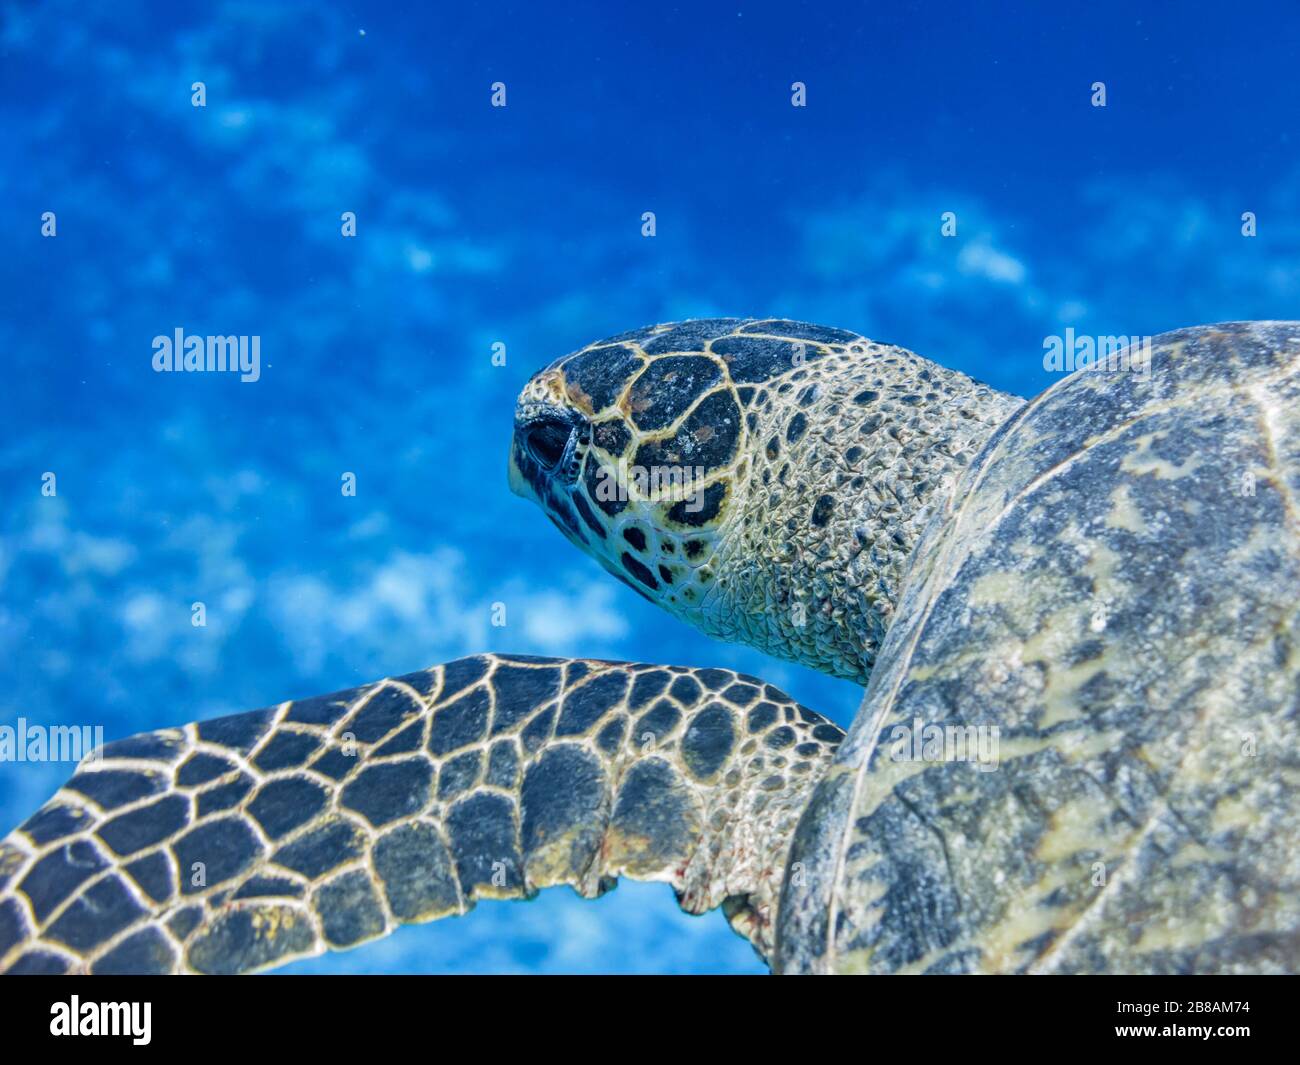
635 458
765 480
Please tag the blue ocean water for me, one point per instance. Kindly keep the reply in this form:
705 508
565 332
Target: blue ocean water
521 226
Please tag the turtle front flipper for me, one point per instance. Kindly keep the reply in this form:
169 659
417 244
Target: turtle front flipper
243 842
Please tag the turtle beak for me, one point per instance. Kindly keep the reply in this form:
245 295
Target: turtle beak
518 483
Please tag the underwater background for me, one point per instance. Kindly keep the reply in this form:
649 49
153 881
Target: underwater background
522 226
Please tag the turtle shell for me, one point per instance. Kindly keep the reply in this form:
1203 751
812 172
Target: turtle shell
1079 748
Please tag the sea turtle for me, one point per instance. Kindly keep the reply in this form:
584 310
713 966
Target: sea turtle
1076 619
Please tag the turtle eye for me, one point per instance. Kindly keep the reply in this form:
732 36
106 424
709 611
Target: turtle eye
546 440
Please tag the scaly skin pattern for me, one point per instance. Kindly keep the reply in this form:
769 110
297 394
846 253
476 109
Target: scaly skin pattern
819 453
1105 581
1115 587
243 842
